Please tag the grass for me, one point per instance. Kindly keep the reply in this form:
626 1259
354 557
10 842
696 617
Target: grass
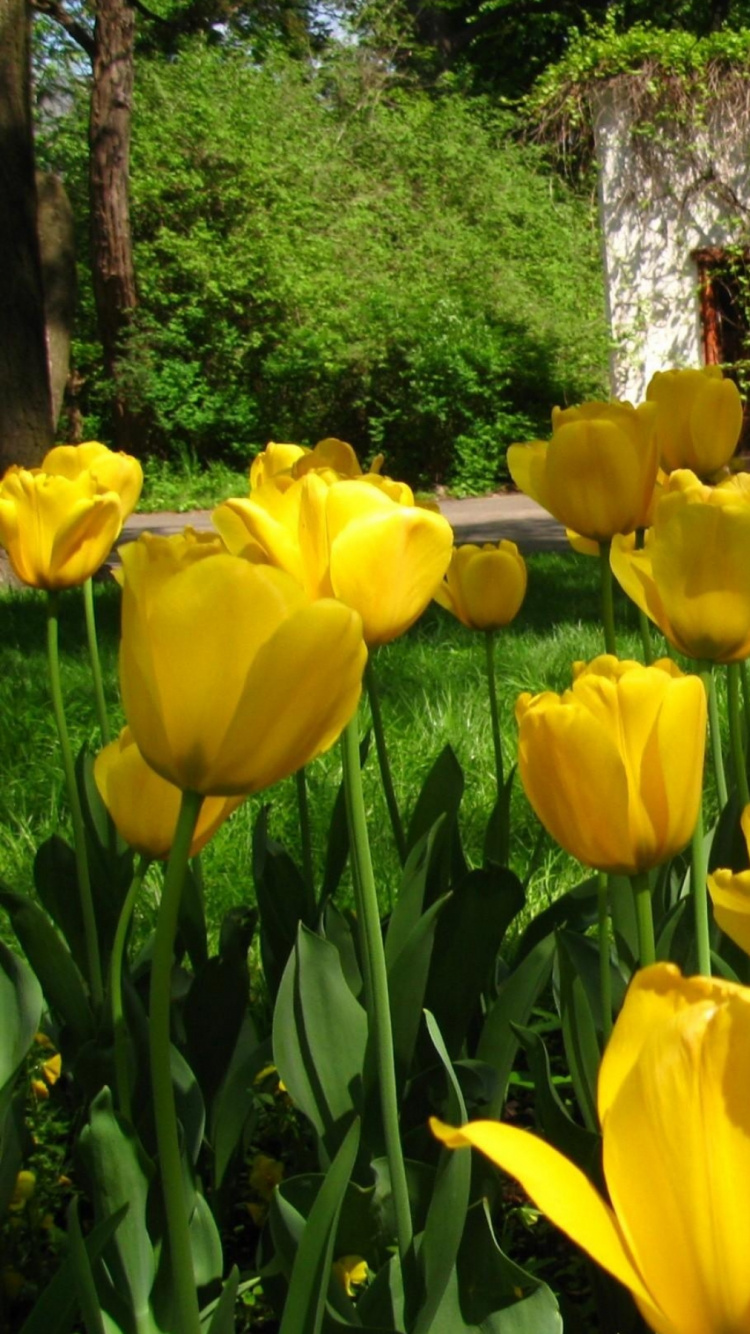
433 691
186 484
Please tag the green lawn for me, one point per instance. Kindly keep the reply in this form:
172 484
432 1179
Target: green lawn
433 692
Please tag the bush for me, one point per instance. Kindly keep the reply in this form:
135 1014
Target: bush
316 257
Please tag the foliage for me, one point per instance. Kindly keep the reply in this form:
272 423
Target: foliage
405 275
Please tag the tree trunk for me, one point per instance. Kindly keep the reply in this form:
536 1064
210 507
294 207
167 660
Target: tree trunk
26 426
109 165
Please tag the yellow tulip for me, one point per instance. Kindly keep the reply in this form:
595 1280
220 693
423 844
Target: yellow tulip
144 806
56 531
230 678
698 418
275 461
111 471
285 463
345 539
614 766
675 1121
484 586
730 894
692 578
597 473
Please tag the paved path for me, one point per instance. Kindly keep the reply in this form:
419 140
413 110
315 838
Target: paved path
480 519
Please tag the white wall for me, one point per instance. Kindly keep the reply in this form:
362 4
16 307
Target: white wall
657 206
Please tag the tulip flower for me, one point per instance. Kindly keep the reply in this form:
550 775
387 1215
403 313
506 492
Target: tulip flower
144 806
111 471
675 1123
230 678
730 894
484 586
692 578
285 463
698 418
345 539
57 531
614 766
597 473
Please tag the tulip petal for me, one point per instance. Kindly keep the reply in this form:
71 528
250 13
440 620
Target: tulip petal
557 1187
291 710
596 478
715 423
730 894
389 565
701 564
682 1202
527 465
84 539
270 521
494 586
633 571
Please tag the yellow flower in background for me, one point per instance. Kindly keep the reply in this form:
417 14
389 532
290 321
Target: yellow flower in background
111 471
351 1272
730 894
597 473
22 1191
230 678
484 586
692 578
285 463
345 539
57 531
265 1175
144 806
276 460
698 418
675 1121
614 766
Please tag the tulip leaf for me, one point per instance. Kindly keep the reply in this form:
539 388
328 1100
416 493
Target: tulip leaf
579 1032
483 1297
88 1299
305 1304
119 1173
222 1314
56 1308
409 905
407 980
624 920
440 796
444 1225
21 1010
55 970
337 927
191 921
496 850
577 908
56 883
337 845
14 1140
110 858
191 1111
471 926
517 996
283 902
583 953
234 1103
205 1242
361 1227
728 844
579 1145
319 1038
219 989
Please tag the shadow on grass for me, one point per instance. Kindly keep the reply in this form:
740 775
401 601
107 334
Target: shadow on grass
23 619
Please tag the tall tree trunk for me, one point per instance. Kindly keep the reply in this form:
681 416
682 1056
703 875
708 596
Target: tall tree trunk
109 164
26 427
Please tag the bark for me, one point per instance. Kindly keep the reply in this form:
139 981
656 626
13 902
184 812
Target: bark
109 169
26 426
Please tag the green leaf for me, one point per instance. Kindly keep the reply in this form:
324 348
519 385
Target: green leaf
88 1299
191 922
205 1241
234 1104
337 844
624 921
440 796
518 994
305 1303
283 902
489 1285
119 1174
21 1010
496 849
191 1111
583 953
56 883
60 980
471 927
319 1038
338 927
410 902
218 1318
579 1036
576 908
407 980
56 1308
579 1145
212 1013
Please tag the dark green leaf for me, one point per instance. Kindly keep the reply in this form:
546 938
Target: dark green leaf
407 980
21 1010
191 923
518 994
88 1299
222 1313
579 1145
440 796
410 902
337 845
56 1308
579 1036
576 908
283 901
497 834
60 980
213 1012
583 953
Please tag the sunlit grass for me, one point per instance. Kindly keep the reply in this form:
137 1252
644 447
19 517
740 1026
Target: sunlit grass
433 693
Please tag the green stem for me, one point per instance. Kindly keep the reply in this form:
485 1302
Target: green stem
645 916
385 768
489 644
96 669
608 608
605 971
698 870
93 959
119 1025
735 733
176 1206
745 699
379 1012
308 870
715 734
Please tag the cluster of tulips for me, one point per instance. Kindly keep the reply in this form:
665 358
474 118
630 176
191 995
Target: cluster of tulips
242 658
